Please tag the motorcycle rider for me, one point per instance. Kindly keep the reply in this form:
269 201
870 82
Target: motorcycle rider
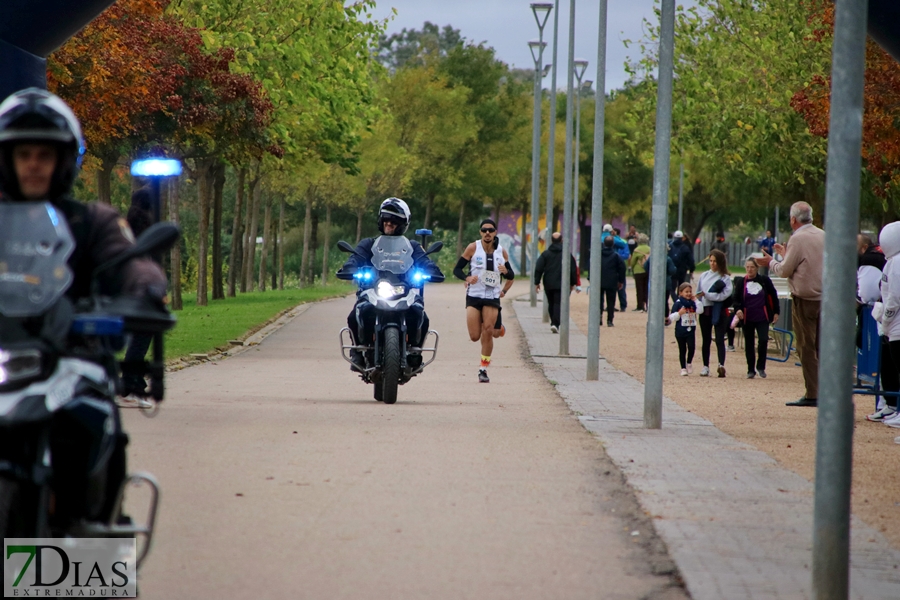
41 148
393 219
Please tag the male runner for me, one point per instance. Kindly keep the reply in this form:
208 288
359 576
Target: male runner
488 264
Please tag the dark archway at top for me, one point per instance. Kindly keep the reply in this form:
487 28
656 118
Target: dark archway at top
30 30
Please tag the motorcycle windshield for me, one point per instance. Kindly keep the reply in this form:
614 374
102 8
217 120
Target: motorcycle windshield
392 253
35 243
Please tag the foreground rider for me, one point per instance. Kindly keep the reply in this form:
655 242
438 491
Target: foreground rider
40 152
393 219
488 264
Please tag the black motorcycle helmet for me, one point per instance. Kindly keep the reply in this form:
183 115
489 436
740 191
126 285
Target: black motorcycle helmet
36 116
396 210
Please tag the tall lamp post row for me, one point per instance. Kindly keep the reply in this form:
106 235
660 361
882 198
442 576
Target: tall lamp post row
541 12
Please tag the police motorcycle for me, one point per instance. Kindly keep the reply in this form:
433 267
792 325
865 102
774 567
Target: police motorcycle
391 285
62 447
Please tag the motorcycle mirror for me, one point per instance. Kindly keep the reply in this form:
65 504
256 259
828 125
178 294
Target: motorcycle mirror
157 238
345 247
434 247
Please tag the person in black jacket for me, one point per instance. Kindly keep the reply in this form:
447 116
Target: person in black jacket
683 256
549 269
755 303
612 278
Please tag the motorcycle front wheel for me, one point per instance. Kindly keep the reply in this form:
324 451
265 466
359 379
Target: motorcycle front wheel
22 511
390 377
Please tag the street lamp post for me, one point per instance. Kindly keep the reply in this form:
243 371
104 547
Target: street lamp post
551 150
541 12
567 196
592 372
580 67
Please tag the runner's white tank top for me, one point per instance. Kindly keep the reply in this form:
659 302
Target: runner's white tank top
480 263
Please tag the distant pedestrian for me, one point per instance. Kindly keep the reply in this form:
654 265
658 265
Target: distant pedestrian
623 251
804 256
886 311
756 306
767 245
548 269
715 288
612 278
140 216
684 315
683 256
641 276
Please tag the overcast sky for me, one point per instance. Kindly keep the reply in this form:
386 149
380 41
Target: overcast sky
508 25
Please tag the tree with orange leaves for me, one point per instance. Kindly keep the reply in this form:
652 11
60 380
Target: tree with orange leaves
881 137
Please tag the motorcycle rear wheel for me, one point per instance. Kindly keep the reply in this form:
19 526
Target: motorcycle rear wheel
390 377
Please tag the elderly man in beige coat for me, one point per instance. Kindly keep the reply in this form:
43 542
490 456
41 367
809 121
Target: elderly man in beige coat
804 255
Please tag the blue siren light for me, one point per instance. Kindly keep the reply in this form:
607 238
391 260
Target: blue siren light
419 277
156 167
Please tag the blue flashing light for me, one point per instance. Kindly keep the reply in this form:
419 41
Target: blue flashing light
419 277
363 275
423 232
156 167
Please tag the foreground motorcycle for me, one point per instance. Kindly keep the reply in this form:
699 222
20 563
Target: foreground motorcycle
393 287
62 447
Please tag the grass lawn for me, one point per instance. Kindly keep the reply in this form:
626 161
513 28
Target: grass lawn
201 329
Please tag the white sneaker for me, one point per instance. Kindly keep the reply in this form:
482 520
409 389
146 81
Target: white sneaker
554 329
897 440
730 349
894 418
882 402
704 372
690 368
881 415
684 372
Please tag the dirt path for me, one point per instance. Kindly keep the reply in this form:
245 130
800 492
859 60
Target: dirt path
283 479
753 411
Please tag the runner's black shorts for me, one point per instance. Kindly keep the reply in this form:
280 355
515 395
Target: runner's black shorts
480 303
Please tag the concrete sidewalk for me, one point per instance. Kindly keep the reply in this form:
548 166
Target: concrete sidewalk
736 523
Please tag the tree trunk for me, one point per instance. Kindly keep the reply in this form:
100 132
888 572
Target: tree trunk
175 285
235 259
201 175
313 247
281 245
218 177
327 242
359 220
252 232
104 177
459 230
429 208
497 214
267 244
307 228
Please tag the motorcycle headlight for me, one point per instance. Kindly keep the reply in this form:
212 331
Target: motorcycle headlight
16 365
386 289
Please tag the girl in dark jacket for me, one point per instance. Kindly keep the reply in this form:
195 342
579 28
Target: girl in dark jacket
756 305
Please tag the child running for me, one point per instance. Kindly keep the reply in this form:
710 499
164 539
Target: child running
684 314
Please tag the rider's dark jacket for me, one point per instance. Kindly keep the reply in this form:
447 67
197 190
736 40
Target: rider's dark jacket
101 234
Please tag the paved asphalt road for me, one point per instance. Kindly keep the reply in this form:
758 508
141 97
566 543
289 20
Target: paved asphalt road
283 479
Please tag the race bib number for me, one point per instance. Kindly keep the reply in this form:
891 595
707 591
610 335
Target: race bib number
689 319
491 278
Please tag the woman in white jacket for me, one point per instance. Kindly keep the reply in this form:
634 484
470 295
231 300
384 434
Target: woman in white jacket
715 290
887 312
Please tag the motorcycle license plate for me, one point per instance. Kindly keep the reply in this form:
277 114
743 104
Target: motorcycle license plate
491 278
